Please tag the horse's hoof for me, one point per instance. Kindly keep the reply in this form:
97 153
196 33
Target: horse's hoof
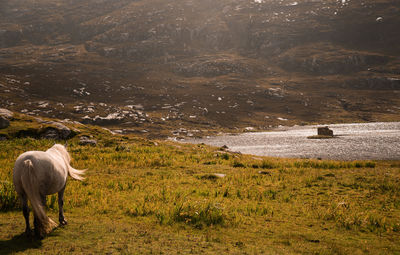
39 235
63 222
28 233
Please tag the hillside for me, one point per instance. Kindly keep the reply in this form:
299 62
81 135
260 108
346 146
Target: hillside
179 67
142 196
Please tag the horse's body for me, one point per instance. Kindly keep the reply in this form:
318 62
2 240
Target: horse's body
38 174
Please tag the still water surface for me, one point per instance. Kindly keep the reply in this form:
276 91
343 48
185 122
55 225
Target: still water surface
353 142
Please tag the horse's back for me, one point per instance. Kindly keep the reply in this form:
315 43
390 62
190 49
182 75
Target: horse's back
48 170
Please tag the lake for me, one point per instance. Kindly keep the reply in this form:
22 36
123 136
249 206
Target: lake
359 141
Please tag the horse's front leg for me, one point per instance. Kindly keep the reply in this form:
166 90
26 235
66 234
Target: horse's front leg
61 207
25 211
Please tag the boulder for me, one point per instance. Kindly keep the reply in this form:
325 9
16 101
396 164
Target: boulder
4 123
6 113
57 131
51 133
5 117
325 131
84 140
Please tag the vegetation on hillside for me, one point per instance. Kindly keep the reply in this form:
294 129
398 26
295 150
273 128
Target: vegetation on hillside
191 67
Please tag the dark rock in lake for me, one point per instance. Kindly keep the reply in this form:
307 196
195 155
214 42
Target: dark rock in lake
325 131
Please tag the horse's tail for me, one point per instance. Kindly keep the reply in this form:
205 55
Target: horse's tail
75 173
31 187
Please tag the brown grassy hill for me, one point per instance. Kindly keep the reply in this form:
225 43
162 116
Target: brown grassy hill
191 66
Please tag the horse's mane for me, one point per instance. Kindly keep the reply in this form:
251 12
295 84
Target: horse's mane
74 173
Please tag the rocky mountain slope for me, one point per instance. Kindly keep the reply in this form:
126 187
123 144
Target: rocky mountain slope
181 67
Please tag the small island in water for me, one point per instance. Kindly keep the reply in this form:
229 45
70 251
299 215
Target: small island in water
323 133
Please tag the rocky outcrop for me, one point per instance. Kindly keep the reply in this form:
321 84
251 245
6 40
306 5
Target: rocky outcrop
4 123
211 67
6 113
56 130
328 59
5 117
374 83
116 118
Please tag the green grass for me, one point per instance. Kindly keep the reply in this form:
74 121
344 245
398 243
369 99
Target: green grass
145 197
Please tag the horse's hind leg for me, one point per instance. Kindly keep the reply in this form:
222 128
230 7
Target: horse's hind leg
36 222
61 207
25 211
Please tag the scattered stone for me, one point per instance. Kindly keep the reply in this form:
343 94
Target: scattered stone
212 176
218 175
84 140
282 119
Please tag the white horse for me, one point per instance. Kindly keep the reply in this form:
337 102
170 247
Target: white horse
38 174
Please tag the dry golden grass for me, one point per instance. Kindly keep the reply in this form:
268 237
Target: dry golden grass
161 197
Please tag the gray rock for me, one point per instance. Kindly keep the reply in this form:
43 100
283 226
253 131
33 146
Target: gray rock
84 140
6 113
4 123
63 131
212 176
51 133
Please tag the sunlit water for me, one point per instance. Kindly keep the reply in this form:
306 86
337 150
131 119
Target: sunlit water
353 142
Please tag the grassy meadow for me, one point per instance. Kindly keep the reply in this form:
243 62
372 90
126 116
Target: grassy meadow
143 197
